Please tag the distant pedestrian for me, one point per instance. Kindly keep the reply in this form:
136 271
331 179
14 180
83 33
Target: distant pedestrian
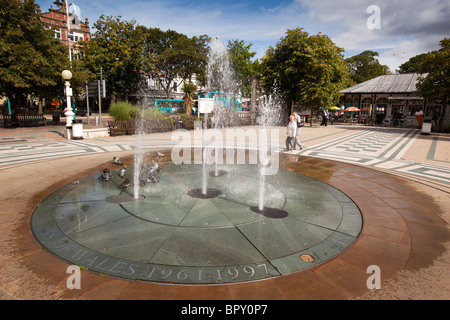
324 118
291 129
179 123
299 122
434 120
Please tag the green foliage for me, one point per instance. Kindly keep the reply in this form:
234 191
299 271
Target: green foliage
189 90
412 65
122 111
153 113
436 84
244 67
176 55
116 48
309 70
31 60
123 50
365 66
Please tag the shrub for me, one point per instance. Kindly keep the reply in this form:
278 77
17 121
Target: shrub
122 111
153 113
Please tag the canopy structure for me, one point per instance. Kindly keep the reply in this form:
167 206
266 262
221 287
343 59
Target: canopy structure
388 83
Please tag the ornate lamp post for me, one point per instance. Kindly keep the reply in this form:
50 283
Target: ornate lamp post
67 75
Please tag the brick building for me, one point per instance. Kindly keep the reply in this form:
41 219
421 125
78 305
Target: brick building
69 35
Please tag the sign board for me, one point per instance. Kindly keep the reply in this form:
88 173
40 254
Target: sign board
205 105
93 88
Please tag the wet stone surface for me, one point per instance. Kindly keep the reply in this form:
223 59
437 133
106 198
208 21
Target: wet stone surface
170 236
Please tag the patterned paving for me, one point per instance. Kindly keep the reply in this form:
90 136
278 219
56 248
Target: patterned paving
380 148
22 152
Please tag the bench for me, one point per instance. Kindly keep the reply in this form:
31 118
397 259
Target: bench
122 127
31 119
10 120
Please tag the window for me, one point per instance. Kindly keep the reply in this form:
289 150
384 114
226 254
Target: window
75 36
348 102
356 102
366 106
398 106
414 105
381 106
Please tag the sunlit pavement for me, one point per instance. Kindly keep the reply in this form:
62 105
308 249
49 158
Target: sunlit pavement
399 181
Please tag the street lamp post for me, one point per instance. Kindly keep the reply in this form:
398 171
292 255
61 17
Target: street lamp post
67 75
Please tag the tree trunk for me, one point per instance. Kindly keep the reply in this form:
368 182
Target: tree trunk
444 112
113 100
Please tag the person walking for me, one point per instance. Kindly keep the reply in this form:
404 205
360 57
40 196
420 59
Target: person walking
299 122
291 129
324 118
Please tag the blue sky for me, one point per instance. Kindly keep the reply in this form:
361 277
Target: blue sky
407 27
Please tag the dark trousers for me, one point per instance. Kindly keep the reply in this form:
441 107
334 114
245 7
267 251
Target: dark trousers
289 143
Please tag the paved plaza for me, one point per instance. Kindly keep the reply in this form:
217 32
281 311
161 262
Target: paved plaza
397 178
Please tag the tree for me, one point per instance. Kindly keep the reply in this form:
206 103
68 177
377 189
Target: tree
436 83
244 67
116 48
189 90
412 65
31 60
308 70
365 66
193 56
176 55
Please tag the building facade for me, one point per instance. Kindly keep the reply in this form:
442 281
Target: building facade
68 31
393 96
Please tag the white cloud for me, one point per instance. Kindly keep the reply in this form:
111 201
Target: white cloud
410 26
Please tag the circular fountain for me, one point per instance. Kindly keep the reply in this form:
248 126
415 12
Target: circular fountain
168 236
175 223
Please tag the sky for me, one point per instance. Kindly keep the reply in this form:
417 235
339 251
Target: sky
396 29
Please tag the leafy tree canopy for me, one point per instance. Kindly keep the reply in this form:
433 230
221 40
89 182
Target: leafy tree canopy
365 66
309 70
244 66
176 55
412 65
116 51
31 60
123 50
436 84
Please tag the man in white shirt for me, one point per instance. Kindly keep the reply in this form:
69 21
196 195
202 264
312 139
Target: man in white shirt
299 122
291 129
